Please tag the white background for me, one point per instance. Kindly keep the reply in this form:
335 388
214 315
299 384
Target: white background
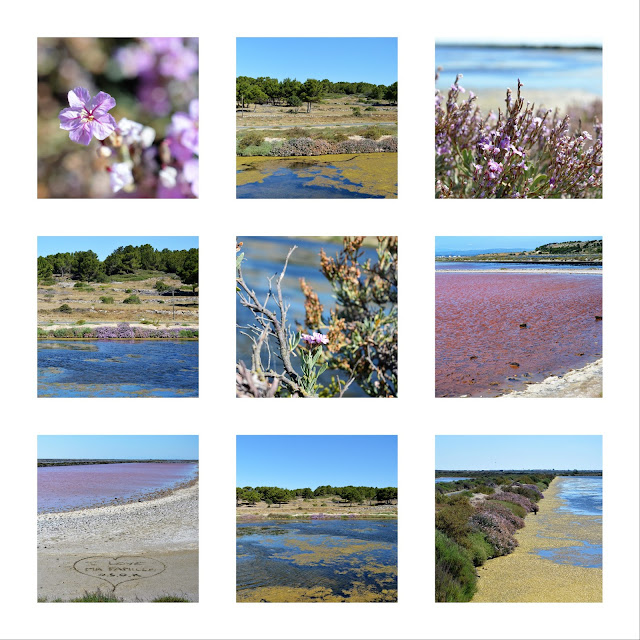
416 416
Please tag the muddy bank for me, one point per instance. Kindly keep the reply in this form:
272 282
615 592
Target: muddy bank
525 576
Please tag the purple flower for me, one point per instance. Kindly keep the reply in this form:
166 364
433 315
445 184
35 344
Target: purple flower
87 117
183 132
315 339
179 64
134 60
190 172
120 175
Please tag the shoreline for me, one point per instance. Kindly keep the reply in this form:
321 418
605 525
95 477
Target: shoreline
585 382
524 576
159 532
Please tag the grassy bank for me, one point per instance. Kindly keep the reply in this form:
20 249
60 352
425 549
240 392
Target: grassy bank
478 522
105 596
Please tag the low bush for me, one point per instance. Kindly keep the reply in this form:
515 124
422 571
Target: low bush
106 299
370 109
373 133
250 139
64 308
453 520
132 300
516 498
455 573
161 286
356 113
128 290
514 508
479 548
80 285
264 149
80 322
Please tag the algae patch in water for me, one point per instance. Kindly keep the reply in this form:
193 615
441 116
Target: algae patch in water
333 551
358 593
374 174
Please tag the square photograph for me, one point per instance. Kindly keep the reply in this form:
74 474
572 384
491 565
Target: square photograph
518 119
518 317
118 317
118 118
518 518
118 518
317 316
316 117
317 518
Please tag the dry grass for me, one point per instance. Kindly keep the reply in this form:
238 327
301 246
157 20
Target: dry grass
331 111
86 305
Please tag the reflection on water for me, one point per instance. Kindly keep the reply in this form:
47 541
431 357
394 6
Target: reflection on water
122 368
330 560
265 256
481 349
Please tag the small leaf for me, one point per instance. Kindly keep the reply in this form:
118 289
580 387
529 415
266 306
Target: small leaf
239 260
538 182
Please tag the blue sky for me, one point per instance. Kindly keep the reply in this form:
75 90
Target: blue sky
461 243
518 452
104 245
295 462
119 447
372 60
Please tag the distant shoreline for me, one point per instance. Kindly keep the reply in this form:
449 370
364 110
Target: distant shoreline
554 47
534 271
70 462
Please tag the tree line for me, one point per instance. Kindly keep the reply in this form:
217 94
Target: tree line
86 266
350 494
294 93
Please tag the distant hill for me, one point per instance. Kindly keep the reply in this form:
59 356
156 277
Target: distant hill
572 246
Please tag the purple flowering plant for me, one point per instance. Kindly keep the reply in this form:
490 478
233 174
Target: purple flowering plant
523 152
134 106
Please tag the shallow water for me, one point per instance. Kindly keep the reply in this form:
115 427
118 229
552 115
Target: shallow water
367 175
67 488
581 498
478 334
122 368
548 69
507 266
451 479
343 559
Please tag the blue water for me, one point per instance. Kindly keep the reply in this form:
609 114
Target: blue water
265 256
281 554
499 68
582 494
451 479
585 555
118 368
501 266
285 183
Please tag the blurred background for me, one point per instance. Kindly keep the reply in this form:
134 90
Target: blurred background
150 79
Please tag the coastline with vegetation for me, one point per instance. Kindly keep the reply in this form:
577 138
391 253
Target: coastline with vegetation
481 520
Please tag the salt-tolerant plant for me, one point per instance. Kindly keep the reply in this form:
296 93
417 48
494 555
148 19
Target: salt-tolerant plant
309 358
522 152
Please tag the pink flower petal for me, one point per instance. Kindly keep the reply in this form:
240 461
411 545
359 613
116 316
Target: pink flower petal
104 127
100 104
70 118
78 97
81 135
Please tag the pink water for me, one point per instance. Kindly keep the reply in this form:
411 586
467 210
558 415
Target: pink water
478 333
75 487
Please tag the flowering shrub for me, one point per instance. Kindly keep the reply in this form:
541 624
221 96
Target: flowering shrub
122 331
507 496
504 513
309 147
521 153
496 529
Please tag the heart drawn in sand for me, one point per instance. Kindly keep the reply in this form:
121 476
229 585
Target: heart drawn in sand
115 571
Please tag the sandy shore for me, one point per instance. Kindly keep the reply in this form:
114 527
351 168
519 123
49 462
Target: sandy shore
524 576
159 537
577 383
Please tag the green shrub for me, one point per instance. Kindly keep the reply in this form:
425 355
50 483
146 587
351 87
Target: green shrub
356 113
131 300
370 109
262 150
64 308
479 548
516 509
251 139
81 322
170 599
42 333
106 299
455 573
483 488
47 282
296 132
80 285
161 286
373 133
453 520
128 290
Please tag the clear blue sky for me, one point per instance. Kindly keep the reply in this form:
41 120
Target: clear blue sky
296 462
518 452
461 243
119 447
104 245
372 60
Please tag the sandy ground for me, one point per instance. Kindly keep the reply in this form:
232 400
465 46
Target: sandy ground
332 111
157 540
86 304
577 383
314 506
524 576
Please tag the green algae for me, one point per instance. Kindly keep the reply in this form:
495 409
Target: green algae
375 174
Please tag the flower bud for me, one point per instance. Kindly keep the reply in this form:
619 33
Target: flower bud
104 152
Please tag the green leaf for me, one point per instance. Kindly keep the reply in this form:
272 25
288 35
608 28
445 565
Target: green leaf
538 182
239 260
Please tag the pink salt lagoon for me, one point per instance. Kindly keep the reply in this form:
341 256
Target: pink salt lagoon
66 488
481 349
